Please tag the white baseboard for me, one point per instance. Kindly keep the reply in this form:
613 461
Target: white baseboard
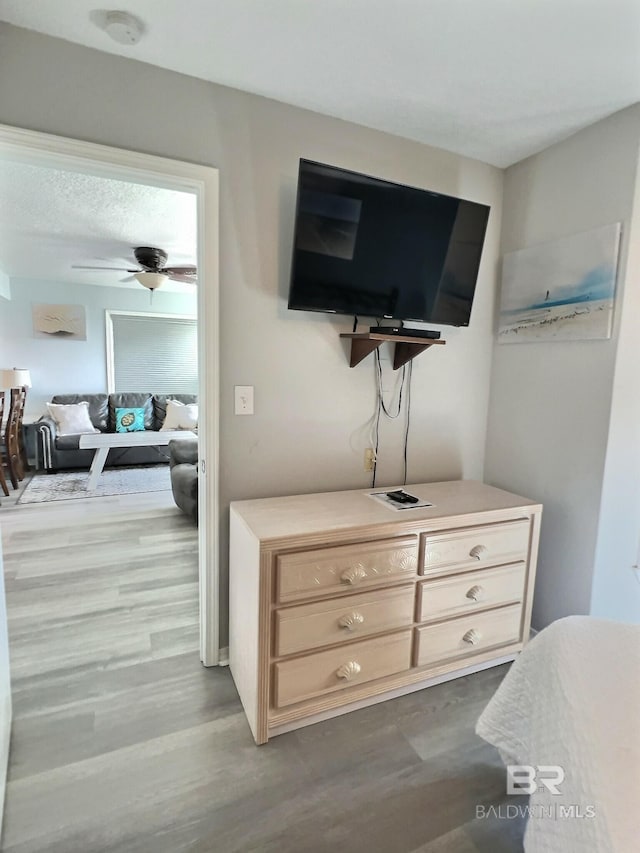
223 656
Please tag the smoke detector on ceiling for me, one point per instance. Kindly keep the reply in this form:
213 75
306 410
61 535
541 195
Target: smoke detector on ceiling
123 27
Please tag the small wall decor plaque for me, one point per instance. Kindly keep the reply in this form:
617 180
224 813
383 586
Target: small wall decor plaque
67 322
561 291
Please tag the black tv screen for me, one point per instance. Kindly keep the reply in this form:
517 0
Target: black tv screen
367 247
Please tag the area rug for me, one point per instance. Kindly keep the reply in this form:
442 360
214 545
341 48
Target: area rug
71 485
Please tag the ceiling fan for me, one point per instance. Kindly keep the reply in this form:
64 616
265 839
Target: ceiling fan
154 270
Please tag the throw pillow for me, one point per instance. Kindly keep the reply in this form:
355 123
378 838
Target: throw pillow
130 420
72 418
180 416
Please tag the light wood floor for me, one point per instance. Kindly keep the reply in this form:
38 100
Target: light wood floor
123 743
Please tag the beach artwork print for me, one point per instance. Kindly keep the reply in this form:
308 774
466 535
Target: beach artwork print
560 291
67 322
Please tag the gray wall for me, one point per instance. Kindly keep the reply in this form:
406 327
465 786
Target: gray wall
309 431
62 366
550 404
615 592
5 286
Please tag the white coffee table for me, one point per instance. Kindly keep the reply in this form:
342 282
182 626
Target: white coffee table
102 442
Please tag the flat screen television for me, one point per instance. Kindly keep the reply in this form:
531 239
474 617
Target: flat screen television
371 248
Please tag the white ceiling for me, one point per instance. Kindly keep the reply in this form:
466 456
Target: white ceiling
492 79
51 220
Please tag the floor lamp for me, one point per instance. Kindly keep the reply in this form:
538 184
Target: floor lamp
15 378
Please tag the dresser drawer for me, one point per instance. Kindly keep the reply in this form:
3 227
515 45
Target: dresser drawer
491 544
467 635
479 590
354 663
324 623
329 570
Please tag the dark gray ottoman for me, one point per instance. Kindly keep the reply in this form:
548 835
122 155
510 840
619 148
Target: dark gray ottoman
183 461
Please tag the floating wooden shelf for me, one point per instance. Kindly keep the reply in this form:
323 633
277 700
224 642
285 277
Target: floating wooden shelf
407 347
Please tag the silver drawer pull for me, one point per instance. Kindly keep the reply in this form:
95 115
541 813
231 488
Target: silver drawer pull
348 670
479 552
351 620
472 637
476 593
353 575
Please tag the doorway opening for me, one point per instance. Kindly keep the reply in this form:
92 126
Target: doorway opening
85 160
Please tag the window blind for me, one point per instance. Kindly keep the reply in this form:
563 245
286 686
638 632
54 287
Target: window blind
155 354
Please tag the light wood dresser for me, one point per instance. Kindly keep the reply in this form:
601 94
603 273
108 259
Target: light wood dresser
337 601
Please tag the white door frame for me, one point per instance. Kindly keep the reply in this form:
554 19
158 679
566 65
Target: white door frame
59 152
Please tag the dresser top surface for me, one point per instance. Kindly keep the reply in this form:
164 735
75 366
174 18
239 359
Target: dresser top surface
300 515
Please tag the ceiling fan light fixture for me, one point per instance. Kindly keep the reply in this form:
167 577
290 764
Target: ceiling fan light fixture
152 280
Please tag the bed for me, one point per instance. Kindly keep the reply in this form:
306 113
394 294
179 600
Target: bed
572 699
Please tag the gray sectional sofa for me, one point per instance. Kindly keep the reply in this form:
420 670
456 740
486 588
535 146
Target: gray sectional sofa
62 451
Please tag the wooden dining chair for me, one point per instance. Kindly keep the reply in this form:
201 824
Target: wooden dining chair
12 435
3 481
21 444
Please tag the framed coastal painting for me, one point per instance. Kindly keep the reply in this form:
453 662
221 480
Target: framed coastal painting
561 291
67 322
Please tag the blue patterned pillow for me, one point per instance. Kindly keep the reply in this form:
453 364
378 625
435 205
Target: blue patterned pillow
130 420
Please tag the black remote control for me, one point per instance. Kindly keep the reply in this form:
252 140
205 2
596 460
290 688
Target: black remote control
401 497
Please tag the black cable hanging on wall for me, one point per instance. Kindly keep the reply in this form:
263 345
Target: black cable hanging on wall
381 408
408 418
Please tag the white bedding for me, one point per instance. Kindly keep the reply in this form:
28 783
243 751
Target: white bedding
572 699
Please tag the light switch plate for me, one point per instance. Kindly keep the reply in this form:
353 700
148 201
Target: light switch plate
243 399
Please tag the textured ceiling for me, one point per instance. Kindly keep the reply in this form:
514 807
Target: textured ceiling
492 79
51 220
